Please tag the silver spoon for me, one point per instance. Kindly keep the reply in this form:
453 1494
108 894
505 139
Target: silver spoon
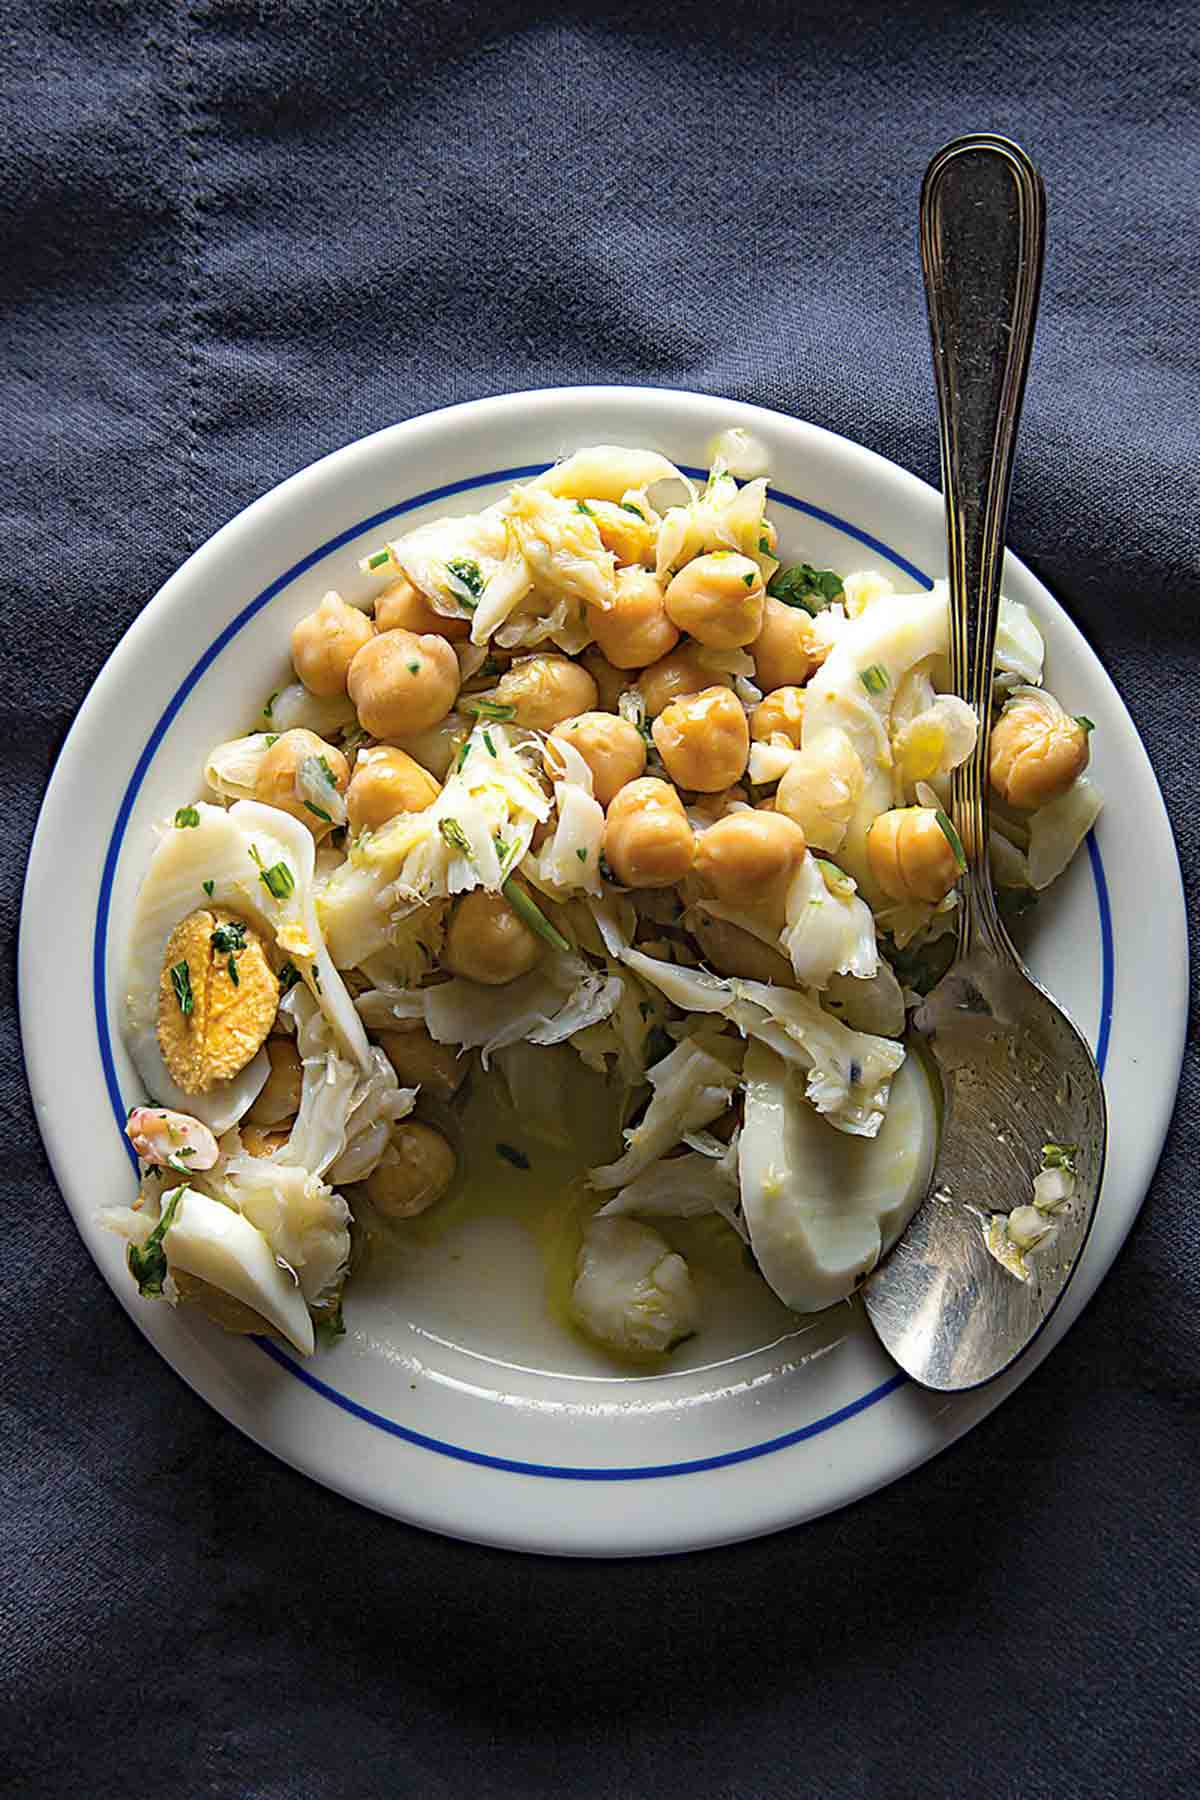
1016 1073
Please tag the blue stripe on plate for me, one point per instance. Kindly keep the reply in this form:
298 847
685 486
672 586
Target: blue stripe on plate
552 1471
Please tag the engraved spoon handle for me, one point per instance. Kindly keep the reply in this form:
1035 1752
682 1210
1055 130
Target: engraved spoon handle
983 228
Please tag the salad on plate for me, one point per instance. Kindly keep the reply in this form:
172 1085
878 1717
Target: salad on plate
598 774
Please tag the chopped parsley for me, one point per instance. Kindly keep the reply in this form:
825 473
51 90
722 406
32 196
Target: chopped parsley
1089 725
208 887
874 679
1059 1156
318 812
517 1158
810 589
289 975
326 771
581 854
764 546
234 977
148 1261
629 507
272 737
467 574
583 507
181 981
490 709
187 815
377 558
269 707
750 579
229 937
490 747
455 836
414 668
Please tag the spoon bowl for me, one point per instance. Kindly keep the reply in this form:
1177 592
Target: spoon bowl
1016 1074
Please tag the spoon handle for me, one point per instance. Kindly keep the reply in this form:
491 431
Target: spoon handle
983 229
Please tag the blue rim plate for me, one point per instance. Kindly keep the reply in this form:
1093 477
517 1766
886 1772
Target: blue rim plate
436 1416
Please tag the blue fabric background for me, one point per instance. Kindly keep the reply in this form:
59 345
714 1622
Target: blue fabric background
237 235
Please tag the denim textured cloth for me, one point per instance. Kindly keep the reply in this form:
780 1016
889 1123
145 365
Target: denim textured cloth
237 235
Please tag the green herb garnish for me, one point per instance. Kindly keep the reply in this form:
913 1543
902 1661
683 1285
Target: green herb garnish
148 1261
629 507
464 750
331 1326
583 507
316 979
490 747
874 679
229 937
582 855
208 887
455 836
187 815
606 872
749 580
802 585
1059 1156
952 838
181 981
377 559
469 575
269 707
517 1158
278 880
490 709
414 668
1089 725
532 915
326 771
272 737
236 979
317 812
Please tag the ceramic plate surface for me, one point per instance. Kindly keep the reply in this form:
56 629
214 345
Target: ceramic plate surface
455 1401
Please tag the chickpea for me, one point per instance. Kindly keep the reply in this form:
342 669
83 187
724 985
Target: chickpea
731 951
436 747
748 859
545 690
647 839
787 650
325 643
401 683
629 535
487 942
613 749
781 714
910 856
1037 751
635 630
278 780
704 740
279 1098
719 599
711 807
402 607
420 1061
673 676
610 682
417 1168
386 782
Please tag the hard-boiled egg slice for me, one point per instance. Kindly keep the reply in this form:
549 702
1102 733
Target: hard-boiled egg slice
822 1207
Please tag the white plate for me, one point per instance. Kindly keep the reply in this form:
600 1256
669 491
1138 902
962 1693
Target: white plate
454 1402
